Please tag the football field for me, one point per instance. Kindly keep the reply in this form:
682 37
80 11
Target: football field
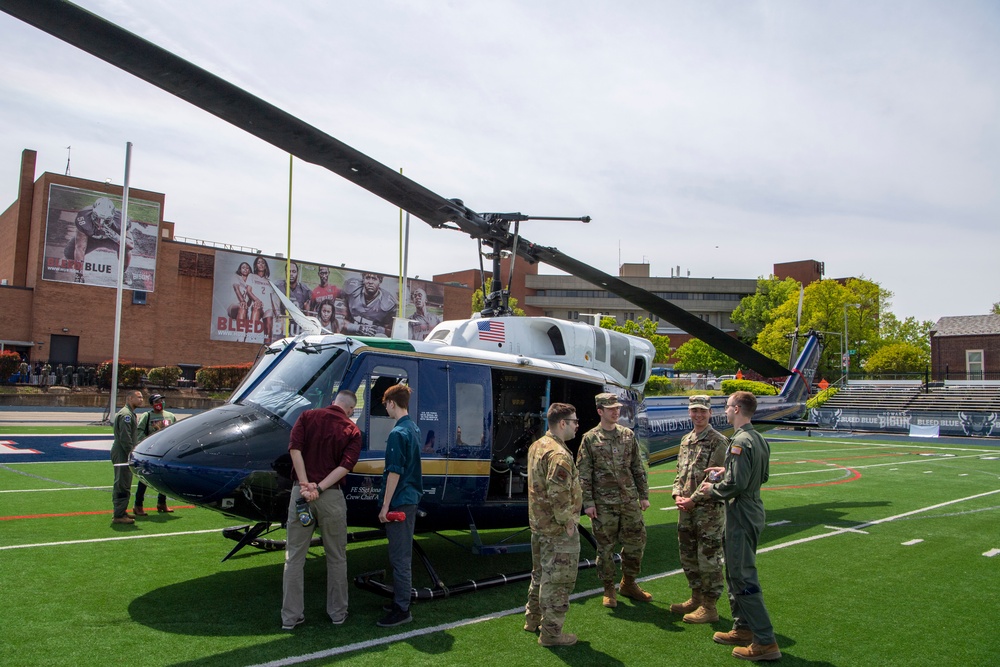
876 552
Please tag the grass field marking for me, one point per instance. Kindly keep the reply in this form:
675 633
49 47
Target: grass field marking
991 553
846 529
109 539
61 488
923 461
907 445
910 543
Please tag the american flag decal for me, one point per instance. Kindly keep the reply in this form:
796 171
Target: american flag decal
491 330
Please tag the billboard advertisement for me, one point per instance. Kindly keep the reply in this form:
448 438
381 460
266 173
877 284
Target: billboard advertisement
361 303
976 424
83 230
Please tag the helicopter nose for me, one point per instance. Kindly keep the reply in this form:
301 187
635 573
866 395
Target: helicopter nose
227 459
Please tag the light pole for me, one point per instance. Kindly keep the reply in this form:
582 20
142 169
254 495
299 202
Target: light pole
846 359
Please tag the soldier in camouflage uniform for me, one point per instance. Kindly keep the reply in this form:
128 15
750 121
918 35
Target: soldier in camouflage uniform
747 468
554 502
615 494
700 519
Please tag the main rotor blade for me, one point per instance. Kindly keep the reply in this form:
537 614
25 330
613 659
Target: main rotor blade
201 88
692 324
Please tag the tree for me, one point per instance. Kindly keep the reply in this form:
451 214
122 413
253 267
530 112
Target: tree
756 311
478 300
697 355
911 331
643 328
996 308
898 358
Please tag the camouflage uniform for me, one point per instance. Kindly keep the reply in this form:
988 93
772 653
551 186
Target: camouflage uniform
747 468
613 479
699 532
554 500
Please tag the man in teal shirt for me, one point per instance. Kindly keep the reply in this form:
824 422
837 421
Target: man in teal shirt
402 487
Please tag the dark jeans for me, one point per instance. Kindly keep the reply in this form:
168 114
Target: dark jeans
400 534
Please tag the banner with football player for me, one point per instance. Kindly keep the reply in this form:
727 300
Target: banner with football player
359 303
83 230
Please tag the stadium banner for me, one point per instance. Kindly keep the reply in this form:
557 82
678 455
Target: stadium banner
360 303
977 424
82 236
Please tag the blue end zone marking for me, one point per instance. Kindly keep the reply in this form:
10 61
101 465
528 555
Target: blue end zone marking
52 448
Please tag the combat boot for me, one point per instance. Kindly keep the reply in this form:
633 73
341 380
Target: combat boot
735 637
689 605
706 613
630 589
562 639
756 652
532 623
138 511
609 600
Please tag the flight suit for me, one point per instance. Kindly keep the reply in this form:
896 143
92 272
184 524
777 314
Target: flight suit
126 433
747 468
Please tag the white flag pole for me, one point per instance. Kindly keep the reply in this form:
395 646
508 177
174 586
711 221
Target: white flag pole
122 234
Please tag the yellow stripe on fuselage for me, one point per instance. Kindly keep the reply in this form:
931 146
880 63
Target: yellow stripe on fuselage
464 467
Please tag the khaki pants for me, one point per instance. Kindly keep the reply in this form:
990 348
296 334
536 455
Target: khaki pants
330 514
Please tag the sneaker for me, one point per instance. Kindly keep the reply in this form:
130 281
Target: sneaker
291 626
123 519
756 652
342 620
562 639
395 617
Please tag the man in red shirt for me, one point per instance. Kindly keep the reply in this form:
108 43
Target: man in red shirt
324 447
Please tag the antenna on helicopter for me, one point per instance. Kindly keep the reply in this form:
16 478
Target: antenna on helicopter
503 243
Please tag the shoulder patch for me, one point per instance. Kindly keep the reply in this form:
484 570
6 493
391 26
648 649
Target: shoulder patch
128 419
735 450
561 474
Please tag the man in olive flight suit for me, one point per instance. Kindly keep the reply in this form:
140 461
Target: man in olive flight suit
126 434
746 469
615 494
701 519
554 502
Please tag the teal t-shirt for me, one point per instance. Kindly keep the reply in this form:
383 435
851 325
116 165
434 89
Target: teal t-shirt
402 456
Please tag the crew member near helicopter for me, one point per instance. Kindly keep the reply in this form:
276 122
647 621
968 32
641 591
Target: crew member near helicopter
554 502
402 488
324 446
149 423
126 433
615 494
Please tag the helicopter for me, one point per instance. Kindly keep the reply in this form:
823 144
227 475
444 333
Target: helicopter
482 385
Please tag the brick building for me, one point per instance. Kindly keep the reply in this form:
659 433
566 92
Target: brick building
168 316
966 348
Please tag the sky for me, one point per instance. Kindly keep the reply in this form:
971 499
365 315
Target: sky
721 137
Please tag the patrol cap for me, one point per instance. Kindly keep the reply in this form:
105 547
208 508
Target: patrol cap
700 402
156 398
607 401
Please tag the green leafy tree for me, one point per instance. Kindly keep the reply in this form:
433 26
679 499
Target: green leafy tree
696 355
910 331
898 358
644 328
996 308
479 301
756 311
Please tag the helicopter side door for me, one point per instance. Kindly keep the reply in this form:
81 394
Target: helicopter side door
469 437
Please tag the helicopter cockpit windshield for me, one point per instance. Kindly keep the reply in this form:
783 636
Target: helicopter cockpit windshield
301 378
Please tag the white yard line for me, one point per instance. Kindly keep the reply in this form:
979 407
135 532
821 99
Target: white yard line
110 539
382 641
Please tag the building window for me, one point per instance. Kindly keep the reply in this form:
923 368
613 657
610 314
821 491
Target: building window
138 298
973 364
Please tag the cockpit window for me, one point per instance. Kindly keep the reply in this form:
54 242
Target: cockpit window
304 378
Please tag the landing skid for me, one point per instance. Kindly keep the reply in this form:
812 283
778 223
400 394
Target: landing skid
250 536
374 581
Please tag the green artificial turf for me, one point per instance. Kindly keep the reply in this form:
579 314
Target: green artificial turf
841 589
